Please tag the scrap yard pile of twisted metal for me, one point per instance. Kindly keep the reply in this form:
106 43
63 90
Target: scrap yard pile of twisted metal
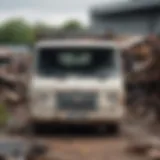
142 77
20 149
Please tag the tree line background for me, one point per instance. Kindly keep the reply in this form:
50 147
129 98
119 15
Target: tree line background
19 31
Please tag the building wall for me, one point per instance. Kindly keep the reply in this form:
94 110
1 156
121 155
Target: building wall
128 23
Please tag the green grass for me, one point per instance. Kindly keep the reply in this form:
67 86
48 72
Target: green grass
4 116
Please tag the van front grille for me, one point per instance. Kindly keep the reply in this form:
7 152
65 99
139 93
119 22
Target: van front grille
76 100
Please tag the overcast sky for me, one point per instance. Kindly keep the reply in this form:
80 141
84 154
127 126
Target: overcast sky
49 11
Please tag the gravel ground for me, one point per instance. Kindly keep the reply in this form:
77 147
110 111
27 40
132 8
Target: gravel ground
84 145
87 149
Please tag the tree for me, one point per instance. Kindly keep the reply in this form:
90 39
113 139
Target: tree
72 25
41 30
16 31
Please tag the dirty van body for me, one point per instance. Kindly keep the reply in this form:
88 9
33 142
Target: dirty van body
77 82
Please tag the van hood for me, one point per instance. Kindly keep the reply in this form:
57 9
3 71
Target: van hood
75 83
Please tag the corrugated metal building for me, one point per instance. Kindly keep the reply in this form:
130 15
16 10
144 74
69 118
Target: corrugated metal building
131 17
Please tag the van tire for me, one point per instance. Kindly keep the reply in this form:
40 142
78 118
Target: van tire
109 129
114 129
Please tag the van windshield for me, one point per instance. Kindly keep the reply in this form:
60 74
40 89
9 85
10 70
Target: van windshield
86 61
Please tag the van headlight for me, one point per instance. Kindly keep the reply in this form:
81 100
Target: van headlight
42 99
42 105
113 97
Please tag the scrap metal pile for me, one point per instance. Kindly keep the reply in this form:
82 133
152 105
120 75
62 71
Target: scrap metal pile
21 148
14 77
141 63
142 74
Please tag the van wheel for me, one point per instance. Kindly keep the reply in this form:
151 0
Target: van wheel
109 129
114 129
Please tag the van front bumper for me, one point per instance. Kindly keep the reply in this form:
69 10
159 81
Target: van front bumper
76 117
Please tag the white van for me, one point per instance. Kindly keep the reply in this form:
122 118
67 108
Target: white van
77 81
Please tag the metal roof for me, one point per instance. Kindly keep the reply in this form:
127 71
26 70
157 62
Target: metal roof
116 44
76 43
131 5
